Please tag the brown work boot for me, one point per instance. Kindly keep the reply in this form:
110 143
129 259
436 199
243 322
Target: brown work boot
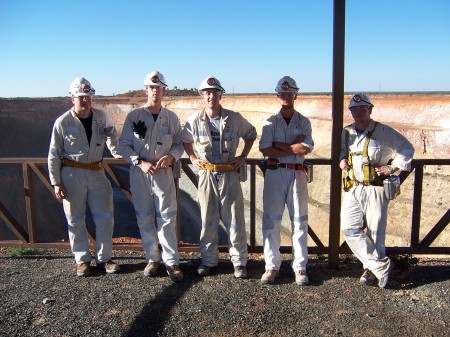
269 276
152 268
83 269
109 266
175 273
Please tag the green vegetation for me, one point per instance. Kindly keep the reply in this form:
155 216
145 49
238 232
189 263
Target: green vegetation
22 251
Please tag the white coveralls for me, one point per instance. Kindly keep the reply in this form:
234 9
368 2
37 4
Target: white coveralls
221 200
154 195
282 187
367 205
83 186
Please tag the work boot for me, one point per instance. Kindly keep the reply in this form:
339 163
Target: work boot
175 273
109 266
301 278
83 269
203 270
240 271
151 269
269 276
367 277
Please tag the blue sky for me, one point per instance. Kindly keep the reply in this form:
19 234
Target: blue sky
391 45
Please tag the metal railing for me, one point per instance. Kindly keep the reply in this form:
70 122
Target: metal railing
26 233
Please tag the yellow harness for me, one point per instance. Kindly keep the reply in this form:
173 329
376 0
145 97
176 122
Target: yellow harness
367 168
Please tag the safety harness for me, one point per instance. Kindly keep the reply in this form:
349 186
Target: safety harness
368 169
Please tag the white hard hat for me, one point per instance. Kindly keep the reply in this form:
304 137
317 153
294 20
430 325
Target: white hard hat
155 78
81 87
287 84
360 99
210 83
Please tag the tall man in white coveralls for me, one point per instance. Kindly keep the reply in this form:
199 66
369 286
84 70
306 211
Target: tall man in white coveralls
211 138
151 143
364 206
76 173
286 138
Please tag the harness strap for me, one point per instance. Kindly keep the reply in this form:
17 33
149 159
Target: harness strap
368 169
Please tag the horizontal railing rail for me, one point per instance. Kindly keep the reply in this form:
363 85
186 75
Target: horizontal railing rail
26 233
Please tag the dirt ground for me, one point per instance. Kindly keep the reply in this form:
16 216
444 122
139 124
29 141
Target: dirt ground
41 296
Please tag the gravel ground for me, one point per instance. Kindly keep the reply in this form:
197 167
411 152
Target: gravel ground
417 302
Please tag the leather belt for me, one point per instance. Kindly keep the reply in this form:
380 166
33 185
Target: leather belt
218 167
97 166
300 167
290 166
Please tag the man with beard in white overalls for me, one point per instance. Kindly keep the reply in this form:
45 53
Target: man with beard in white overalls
286 139
76 173
370 153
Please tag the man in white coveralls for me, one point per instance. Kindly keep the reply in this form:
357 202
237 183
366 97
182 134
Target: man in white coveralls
286 139
151 143
76 173
367 149
211 138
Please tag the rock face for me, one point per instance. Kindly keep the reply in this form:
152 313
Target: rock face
25 126
423 118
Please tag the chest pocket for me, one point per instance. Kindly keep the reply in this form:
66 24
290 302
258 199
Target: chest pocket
72 139
298 131
374 150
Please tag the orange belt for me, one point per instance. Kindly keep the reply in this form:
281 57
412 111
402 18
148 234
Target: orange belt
218 167
88 166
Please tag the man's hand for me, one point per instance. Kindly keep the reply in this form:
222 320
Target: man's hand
344 164
148 167
60 192
197 162
237 162
165 161
299 139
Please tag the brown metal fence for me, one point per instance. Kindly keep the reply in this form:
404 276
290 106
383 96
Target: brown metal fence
25 233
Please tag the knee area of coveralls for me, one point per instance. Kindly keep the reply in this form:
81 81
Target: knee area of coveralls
271 221
352 232
102 216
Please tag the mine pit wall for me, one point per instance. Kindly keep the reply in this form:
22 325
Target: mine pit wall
424 119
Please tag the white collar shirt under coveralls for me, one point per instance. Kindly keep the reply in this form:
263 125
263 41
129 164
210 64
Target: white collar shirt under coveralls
220 200
154 195
69 140
367 205
285 187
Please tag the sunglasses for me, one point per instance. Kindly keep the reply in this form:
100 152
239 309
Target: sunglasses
358 98
286 86
86 88
213 81
155 79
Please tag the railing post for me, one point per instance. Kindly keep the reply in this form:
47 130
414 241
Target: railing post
417 204
337 112
252 207
29 202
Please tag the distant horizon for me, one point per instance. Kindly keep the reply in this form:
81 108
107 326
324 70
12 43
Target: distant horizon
400 93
